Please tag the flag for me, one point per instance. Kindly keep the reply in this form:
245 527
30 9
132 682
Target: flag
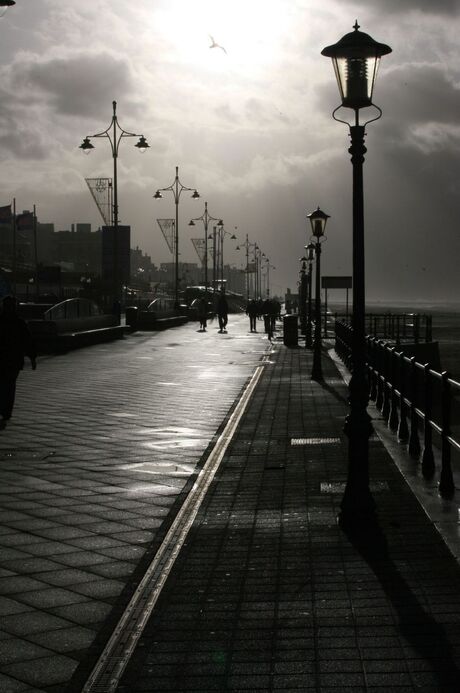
199 245
167 227
5 215
25 221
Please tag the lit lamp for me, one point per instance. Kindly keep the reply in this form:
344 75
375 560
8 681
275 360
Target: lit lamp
318 220
356 59
310 250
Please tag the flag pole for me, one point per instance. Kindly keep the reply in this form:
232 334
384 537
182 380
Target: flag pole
37 292
14 249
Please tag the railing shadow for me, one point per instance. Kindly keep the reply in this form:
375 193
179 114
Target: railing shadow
418 627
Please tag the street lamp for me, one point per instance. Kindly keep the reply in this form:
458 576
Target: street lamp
114 133
247 245
356 58
268 267
222 234
205 218
4 5
176 188
303 294
310 248
318 220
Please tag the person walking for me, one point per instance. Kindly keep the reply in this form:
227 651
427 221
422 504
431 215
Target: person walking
251 310
222 312
202 312
16 342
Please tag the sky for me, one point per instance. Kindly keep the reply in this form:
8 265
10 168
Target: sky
249 127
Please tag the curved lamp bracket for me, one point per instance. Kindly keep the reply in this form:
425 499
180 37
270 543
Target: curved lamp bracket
371 120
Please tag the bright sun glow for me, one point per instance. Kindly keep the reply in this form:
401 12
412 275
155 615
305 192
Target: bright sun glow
250 31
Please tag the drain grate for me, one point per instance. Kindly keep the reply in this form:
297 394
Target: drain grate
315 441
339 486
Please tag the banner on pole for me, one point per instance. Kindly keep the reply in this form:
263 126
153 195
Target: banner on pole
167 227
199 245
101 190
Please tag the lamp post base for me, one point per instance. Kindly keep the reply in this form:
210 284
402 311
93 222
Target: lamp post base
357 509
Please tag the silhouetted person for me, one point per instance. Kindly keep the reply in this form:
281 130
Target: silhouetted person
16 342
222 312
251 310
202 311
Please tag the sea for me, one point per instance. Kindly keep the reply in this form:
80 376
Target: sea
445 326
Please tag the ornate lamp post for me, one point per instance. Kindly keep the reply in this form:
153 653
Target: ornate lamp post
318 221
356 58
303 294
268 267
222 233
206 218
176 188
4 5
115 133
310 248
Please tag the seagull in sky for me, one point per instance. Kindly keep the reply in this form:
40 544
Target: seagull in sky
214 44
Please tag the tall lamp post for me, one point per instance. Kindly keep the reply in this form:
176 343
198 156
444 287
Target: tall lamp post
4 5
205 218
115 133
268 267
247 245
222 234
176 188
318 220
303 294
356 58
310 248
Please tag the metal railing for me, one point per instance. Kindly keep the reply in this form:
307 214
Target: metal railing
397 327
417 402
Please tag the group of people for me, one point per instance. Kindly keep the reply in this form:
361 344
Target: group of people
269 310
221 312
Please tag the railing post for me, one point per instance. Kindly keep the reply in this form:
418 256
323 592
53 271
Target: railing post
380 385
373 370
414 442
393 419
403 429
446 482
386 384
416 328
428 467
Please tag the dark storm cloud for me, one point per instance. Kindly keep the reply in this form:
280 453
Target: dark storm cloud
78 86
418 93
437 7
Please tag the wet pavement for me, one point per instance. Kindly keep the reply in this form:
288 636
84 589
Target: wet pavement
168 523
101 451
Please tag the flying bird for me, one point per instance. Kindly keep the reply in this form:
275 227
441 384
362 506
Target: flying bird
214 44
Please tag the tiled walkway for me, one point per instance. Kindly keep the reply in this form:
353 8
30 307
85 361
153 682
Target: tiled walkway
268 594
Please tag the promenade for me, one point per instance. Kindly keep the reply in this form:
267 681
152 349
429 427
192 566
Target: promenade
237 492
